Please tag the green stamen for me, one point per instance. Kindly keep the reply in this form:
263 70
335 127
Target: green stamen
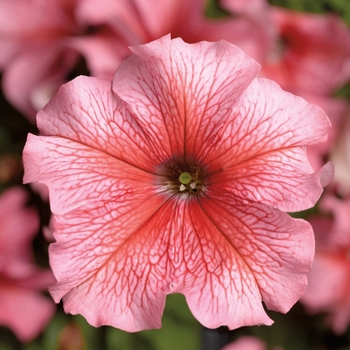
185 178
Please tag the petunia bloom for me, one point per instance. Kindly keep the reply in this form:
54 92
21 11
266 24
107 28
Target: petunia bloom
22 308
328 290
174 178
312 55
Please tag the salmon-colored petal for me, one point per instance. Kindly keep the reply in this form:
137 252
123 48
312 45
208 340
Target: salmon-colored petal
92 115
273 248
263 149
183 91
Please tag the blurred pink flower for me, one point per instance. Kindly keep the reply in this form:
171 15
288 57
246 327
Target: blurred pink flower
249 343
337 110
246 343
257 33
40 40
136 23
340 155
39 47
312 55
175 179
22 308
329 289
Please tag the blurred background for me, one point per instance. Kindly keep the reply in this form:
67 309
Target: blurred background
304 45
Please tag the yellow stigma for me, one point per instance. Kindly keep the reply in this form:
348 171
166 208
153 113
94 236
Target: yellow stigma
185 178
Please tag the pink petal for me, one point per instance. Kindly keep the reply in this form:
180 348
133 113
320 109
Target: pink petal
340 156
117 14
245 6
68 168
38 69
327 283
251 27
27 20
273 248
123 280
340 319
316 58
21 306
336 109
103 53
31 54
328 289
170 14
183 91
253 35
25 311
92 115
246 343
340 210
264 149
114 194
133 21
18 225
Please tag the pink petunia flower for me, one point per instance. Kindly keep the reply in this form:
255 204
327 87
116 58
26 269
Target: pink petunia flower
175 179
312 55
39 48
40 40
329 289
22 308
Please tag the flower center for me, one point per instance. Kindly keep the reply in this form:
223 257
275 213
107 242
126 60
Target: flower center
190 183
182 177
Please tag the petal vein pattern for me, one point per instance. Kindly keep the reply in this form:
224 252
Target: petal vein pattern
172 180
88 112
184 96
263 148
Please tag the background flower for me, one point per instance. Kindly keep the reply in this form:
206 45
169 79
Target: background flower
41 41
329 289
246 343
22 308
312 53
